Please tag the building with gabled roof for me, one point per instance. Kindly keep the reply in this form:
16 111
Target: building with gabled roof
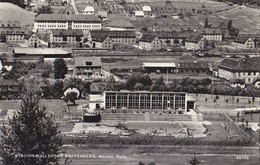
66 35
224 25
62 21
212 34
193 67
240 68
89 10
246 41
150 42
87 67
33 40
195 42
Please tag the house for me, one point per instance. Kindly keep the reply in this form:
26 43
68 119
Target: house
139 14
33 40
14 36
7 26
87 67
120 25
102 42
45 22
118 37
237 83
247 69
68 36
195 42
212 35
33 54
246 41
9 89
224 25
147 10
150 42
192 67
89 10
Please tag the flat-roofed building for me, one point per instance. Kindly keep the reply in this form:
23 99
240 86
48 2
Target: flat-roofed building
120 25
145 100
159 67
63 21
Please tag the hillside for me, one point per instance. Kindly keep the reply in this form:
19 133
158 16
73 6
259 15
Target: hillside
10 11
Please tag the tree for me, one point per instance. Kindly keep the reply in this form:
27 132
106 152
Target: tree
237 101
194 160
31 131
226 102
60 68
206 24
71 96
57 89
206 99
44 10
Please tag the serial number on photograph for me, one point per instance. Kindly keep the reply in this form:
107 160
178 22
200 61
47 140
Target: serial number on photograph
242 157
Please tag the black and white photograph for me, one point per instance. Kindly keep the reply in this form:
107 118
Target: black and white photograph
129 82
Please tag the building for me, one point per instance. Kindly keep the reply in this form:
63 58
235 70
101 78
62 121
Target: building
87 68
102 15
89 10
224 25
139 14
9 89
117 37
33 54
246 69
246 41
150 42
159 67
68 36
195 43
102 42
147 10
15 36
7 26
120 25
62 21
212 35
33 40
145 100
192 67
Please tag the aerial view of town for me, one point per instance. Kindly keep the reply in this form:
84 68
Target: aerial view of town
129 82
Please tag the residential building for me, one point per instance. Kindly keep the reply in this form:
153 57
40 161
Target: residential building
195 43
87 67
145 100
139 14
14 36
33 40
147 10
246 41
89 10
224 25
120 25
150 42
7 26
62 21
102 42
192 67
212 35
118 37
246 69
68 36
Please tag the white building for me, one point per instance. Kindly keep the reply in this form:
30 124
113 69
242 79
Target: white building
147 10
89 10
61 21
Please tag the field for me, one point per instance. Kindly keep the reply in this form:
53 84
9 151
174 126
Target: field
12 12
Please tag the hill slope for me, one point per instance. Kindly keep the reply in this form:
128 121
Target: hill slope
9 11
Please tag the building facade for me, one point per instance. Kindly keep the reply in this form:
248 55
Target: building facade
144 100
34 40
150 42
245 41
62 21
7 26
66 36
195 43
15 36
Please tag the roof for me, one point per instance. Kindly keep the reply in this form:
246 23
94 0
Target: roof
242 38
217 22
147 8
103 14
165 34
136 92
120 23
242 64
102 35
15 32
210 31
193 64
194 38
81 61
46 51
159 64
139 13
5 82
64 17
147 38
10 23
89 9
67 32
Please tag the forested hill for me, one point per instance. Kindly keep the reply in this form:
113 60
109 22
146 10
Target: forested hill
242 2
16 2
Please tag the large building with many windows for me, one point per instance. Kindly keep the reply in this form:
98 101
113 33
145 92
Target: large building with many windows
145 100
62 21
